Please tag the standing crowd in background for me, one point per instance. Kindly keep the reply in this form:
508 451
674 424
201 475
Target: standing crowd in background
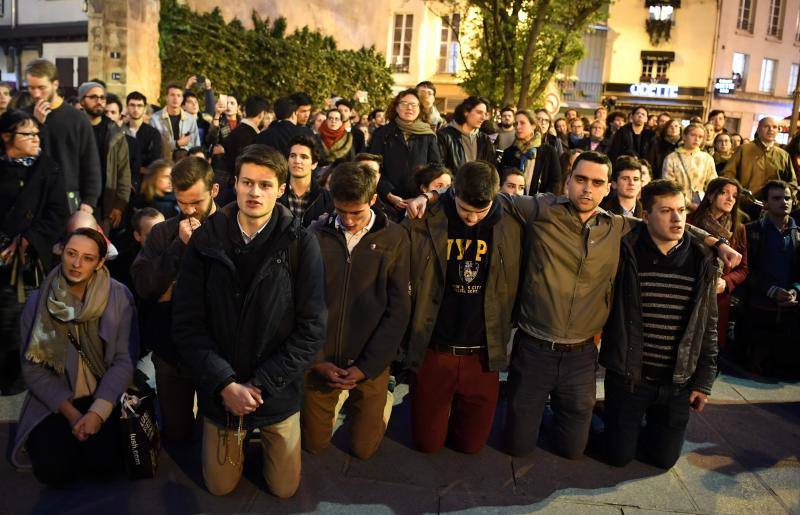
280 262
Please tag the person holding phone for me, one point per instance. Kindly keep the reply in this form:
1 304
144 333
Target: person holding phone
660 340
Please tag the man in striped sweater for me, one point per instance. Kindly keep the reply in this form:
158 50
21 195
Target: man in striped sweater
660 341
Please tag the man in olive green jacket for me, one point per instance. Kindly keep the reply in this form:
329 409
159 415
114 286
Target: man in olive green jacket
465 269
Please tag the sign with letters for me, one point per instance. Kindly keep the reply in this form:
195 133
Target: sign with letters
724 86
643 89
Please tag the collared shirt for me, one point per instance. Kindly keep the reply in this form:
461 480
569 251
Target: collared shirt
298 205
352 239
247 239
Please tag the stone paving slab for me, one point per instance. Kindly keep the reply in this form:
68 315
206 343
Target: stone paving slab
740 457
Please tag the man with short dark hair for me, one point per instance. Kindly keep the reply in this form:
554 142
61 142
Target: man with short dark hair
465 264
177 127
115 112
626 184
284 128
114 156
461 141
68 137
767 333
251 125
303 196
376 118
632 138
252 318
506 133
660 340
147 137
368 310
576 132
716 117
154 272
304 106
614 122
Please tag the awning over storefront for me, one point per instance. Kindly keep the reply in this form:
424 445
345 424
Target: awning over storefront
657 97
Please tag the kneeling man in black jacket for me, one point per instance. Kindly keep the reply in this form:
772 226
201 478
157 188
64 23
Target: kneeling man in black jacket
249 317
660 341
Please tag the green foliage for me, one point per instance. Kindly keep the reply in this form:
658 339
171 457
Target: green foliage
505 30
265 60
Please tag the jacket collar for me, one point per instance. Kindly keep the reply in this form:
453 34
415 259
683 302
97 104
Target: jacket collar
165 114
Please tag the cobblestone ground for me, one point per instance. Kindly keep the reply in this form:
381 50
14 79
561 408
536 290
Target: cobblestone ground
741 456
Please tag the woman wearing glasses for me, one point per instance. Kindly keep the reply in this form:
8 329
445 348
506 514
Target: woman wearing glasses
33 211
405 143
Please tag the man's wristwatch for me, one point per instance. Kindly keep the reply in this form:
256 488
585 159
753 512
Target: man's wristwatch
720 242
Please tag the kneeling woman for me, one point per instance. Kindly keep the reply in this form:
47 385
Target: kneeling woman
76 364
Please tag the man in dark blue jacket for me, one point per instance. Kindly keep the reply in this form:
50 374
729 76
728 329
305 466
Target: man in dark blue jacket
251 318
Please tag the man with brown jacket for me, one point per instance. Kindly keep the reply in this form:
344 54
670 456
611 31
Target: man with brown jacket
366 259
465 265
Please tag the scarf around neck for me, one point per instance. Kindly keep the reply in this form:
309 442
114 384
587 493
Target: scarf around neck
417 127
721 228
59 314
329 136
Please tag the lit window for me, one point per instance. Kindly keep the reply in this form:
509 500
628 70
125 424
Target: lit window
449 44
401 42
793 70
775 27
745 19
767 83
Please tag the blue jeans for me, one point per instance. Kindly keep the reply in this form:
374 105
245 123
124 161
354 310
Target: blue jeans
568 378
666 408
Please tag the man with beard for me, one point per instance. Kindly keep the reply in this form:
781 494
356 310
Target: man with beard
506 135
113 150
67 137
154 273
147 138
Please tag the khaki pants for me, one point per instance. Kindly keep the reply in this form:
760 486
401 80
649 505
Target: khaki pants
222 459
370 409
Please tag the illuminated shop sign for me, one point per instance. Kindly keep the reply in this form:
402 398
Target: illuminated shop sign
643 89
725 86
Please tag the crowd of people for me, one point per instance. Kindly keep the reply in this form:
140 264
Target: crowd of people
280 262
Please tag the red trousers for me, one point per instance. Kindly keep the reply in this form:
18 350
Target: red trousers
455 393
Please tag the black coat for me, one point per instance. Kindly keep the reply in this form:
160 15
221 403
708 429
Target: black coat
150 148
267 334
401 157
611 204
244 134
39 212
621 351
546 170
319 203
452 150
623 144
280 132
657 152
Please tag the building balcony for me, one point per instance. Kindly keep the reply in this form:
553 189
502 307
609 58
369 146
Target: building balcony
583 92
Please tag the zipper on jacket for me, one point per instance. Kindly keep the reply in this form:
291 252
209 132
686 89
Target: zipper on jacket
337 348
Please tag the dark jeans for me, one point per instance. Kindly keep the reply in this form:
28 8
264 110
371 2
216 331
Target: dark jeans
175 400
767 341
59 458
666 408
568 378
